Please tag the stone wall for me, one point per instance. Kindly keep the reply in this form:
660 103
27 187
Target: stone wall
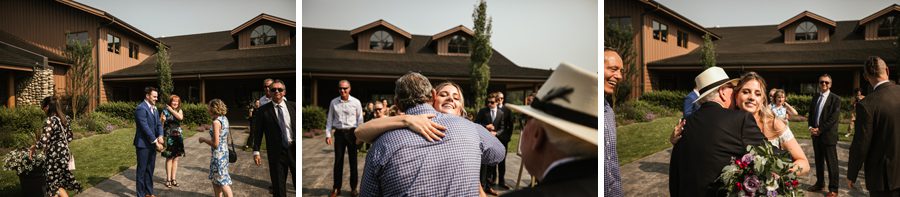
34 88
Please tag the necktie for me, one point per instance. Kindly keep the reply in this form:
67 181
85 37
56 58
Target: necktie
819 109
284 136
493 114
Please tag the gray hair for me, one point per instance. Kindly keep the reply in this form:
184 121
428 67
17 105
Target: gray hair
568 144
412 89
709 97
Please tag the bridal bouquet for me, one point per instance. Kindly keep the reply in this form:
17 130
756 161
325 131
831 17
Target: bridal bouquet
761 172
21 163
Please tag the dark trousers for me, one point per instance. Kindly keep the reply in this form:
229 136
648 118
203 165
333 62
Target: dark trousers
279 165
501 168
484 175
146 162
826 155
892 193
344 140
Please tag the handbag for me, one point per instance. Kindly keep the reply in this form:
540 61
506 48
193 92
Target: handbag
232 156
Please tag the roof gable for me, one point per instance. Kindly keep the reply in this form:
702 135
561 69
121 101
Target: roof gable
112 19
884 11
380 22
264 16
807 14
666 10
451 31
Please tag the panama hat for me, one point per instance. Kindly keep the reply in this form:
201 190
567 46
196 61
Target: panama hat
568 102
710 80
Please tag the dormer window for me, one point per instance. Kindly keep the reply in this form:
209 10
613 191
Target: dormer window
262 35
458 44
888 26
381 40
806 31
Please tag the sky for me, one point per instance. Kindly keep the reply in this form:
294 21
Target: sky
728 13
166 18
531 33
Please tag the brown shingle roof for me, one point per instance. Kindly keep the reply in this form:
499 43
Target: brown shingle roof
28 46
334 51
18 58
214 52
764 45
880 13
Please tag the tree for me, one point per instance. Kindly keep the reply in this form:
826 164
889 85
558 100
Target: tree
164 69
481 52
708 52
620 37
81 80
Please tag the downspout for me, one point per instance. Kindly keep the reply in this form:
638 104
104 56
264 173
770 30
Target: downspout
643 54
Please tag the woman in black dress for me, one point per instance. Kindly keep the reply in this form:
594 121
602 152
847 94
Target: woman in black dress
171 117
54 142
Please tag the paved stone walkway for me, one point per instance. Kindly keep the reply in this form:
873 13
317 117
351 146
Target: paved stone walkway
318 164
193 169
649 176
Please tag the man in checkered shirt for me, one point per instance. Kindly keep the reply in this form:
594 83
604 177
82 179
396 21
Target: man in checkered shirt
402 163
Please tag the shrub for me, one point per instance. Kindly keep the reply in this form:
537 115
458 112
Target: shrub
673 100
122 110
19 126
98 122
195 114
640 111
801 104
313 117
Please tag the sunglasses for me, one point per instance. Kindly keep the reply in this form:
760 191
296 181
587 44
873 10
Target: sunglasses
491 102
825 82
344 88
276 90
378 109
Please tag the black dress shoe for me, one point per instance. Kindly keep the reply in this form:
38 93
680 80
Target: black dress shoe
504 186
815 188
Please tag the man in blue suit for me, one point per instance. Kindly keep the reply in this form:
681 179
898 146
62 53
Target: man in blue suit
148 135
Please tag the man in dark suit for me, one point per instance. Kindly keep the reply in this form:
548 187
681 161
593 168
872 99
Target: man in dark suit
491 117
713 135
824 113
148 134
877 140
276 122
504 136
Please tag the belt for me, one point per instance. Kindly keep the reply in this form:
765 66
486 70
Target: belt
349 129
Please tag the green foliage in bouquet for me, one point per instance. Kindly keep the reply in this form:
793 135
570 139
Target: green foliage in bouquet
18 161
761 172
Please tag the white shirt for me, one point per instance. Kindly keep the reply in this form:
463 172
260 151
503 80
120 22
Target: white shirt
493 114
152 111
821 104
879 83
343 114
287 122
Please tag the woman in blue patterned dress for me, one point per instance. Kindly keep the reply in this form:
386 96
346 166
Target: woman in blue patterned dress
54 142
218 163
171 117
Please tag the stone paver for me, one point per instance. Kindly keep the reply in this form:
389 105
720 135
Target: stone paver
649 176
193 169
318 164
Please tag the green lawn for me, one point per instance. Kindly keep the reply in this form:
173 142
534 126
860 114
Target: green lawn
97 158
639 140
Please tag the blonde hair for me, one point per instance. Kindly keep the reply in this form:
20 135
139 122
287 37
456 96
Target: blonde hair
765 112
217 107
459 89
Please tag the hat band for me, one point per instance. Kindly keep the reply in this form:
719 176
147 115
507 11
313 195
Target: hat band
570 115
713 85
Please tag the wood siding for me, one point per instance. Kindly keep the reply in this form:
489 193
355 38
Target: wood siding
872 30
111 61
443 45
363 41
633 10
655 50
823 30
282 35
45 23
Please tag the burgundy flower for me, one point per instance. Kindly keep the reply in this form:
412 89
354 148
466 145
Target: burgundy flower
739 186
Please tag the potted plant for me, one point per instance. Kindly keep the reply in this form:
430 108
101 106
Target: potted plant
31 170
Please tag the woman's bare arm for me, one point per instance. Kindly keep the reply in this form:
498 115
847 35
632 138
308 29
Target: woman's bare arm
421 124
800 160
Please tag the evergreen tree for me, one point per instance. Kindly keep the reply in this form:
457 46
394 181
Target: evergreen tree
481 52
81 80
164 69
708 52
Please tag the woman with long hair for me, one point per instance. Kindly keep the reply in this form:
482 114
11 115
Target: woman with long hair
171 117
54 142
218 163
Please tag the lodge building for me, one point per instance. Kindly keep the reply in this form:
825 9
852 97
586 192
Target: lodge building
229 65
374 55
790 55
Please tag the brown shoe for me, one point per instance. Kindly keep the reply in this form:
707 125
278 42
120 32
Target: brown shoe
491 192
831 194
335 192
354 193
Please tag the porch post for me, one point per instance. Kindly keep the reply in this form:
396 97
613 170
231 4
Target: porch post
203 90
855 80
315 92
11 100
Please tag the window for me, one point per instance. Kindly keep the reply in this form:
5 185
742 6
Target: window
621 22
262 35
381 40
682 39
113 43
660 31
133 50
888 26
458 44
806 31
80 37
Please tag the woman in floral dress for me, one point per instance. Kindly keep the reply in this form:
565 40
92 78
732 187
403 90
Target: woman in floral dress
171 117
218 163
54 142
